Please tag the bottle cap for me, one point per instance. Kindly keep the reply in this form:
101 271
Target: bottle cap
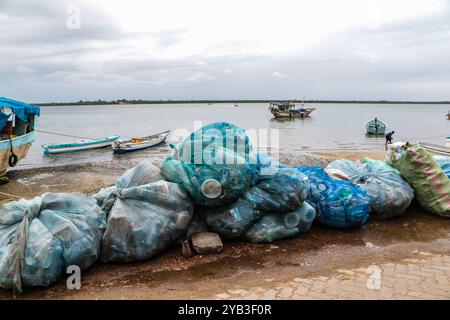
211 188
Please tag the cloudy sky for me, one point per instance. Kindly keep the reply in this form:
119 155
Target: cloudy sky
234 49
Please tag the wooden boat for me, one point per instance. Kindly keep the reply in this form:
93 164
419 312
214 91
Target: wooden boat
375 127
288 110
79 145
136 144
17 132
437 149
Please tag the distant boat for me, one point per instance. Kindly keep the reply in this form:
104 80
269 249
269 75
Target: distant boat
236 105
135 144
288 110
437 149
448 115
79 145
375 127
18 121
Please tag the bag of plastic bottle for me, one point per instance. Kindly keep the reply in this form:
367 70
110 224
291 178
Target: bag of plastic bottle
277 226
215 164
232 220
390 194
144 173
338 204
283 191
431 185
444 163
41 237
145 220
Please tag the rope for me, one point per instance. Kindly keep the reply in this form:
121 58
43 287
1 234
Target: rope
11 195
64 135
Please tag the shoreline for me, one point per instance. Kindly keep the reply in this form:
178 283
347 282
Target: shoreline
90 177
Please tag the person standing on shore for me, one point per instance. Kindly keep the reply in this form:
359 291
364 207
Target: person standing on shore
389 139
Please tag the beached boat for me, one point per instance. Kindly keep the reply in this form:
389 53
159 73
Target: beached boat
437 149
17 132
288 110
136 144
80 145
375 127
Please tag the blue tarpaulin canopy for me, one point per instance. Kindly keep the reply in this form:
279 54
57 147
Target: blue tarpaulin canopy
20 109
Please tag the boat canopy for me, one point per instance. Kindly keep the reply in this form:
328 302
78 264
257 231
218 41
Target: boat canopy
20 109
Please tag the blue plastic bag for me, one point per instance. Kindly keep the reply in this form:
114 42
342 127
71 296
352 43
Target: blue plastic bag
277 226
215 164
283 190
40 238
145 220
390 194
338 204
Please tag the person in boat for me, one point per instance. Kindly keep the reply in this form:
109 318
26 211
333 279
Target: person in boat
389 138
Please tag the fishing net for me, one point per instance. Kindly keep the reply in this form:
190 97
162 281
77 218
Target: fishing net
215 164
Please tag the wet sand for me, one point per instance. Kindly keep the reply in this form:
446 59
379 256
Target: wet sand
241 267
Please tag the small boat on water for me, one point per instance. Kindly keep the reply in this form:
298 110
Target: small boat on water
18 121
375 127
289 110
80 145
437 149
448 115
136 144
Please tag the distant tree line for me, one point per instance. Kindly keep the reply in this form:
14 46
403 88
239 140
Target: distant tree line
140 101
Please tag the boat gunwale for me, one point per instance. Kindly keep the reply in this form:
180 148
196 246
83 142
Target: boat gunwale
80 144
18 141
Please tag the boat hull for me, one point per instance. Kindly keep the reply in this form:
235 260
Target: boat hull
79 146
436 149
375 127
131 147
374 131
290 114
21 145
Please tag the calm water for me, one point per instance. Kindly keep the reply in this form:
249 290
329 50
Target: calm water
330 127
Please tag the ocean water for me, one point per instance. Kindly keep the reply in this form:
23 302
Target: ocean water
330 127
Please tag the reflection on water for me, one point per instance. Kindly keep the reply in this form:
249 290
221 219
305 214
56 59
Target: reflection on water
330 127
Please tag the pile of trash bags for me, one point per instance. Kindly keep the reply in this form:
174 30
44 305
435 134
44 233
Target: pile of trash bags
339 204
215 164
41 237
214 181
430 183
390 195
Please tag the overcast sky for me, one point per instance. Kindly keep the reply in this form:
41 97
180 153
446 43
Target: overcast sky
233 49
